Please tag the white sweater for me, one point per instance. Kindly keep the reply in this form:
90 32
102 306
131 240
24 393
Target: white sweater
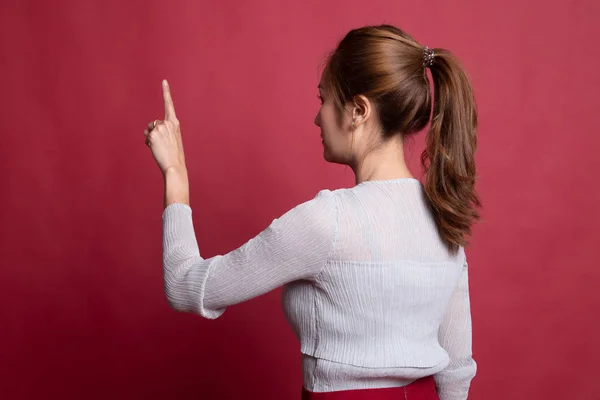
374 297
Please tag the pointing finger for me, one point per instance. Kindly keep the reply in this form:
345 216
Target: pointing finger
169 107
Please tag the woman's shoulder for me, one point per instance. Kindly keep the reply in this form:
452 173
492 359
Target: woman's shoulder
332 197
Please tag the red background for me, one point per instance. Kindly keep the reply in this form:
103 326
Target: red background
83 314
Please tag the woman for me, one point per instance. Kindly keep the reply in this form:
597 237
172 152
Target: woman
375 276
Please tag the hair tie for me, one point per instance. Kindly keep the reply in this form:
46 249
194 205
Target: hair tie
428 56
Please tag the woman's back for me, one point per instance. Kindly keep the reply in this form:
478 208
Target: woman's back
388 221
379 302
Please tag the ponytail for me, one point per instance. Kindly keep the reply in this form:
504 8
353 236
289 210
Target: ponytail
449 158
387 65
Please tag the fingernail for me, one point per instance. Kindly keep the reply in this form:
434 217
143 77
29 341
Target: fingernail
165 83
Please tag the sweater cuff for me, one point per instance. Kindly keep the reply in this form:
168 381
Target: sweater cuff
175 208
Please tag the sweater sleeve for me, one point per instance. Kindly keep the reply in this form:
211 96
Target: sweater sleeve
293 247
455 337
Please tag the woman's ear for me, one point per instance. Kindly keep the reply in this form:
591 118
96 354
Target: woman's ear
362 110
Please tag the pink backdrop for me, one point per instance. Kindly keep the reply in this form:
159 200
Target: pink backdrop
83 313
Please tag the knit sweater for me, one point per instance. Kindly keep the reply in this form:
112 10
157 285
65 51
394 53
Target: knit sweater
369 289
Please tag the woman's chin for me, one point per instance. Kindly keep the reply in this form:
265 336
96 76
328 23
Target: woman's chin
329 157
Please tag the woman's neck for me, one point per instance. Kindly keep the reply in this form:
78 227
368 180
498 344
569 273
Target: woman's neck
385 162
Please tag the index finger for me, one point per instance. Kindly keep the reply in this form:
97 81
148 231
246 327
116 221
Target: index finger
169 107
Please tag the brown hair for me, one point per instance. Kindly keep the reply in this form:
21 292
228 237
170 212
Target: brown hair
389 67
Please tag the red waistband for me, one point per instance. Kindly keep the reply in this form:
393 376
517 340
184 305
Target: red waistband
421 389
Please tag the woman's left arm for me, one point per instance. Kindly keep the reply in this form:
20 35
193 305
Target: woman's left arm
295 246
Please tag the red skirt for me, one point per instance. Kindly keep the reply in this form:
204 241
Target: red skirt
421 389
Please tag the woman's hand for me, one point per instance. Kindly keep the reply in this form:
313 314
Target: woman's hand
164 137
